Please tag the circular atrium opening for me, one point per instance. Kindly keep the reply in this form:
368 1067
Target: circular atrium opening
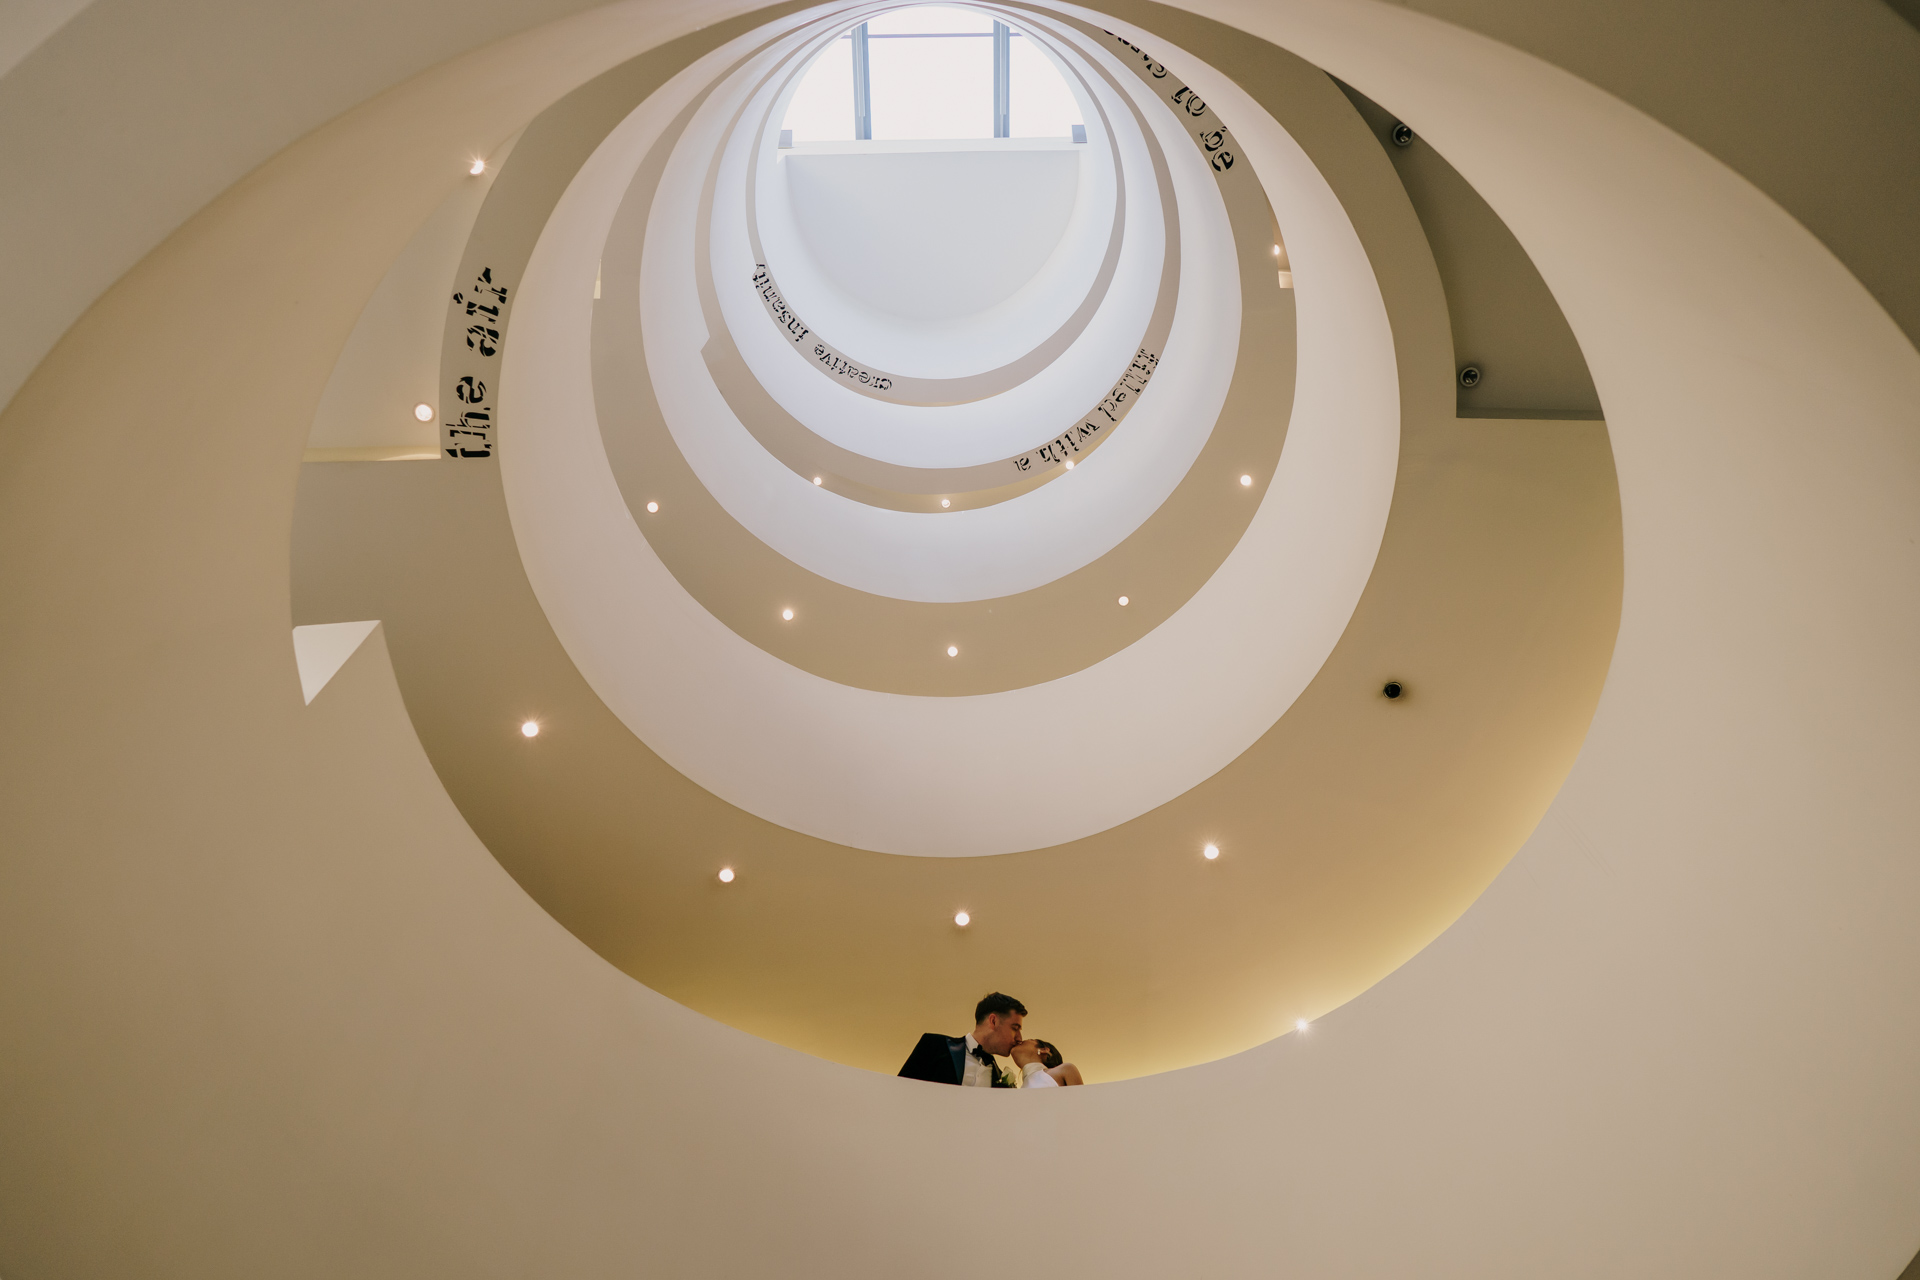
962 333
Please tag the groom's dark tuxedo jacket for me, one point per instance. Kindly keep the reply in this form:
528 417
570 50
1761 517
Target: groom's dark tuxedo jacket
941 1059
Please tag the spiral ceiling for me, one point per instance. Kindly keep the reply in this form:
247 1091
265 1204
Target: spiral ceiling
1010 602
552 630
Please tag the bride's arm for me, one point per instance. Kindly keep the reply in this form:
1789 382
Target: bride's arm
1066 1073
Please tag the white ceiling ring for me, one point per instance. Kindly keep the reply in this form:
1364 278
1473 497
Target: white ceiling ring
967 356
963 554
969 434
915 488
968 775
647 464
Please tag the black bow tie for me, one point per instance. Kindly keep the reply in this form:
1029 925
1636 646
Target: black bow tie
980 1052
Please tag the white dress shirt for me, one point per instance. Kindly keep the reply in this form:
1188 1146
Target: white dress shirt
977 1075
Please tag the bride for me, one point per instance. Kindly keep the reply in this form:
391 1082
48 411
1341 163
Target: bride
1062 1071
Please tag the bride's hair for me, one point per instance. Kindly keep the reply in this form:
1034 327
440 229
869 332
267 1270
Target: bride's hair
1049 1056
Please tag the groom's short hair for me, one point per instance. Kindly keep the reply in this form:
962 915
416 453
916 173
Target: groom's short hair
997 1003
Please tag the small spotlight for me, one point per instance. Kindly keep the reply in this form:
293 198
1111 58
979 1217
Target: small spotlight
653 508
786 615
1211 852
1246 482
962 919
1123 602
531 729
477 168
726 875
1299 1024
424 412
945 502
953 651
1276 251
1069 464
816 480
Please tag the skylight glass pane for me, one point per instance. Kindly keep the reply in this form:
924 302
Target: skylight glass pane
821 109
932 86
1039 104
923 18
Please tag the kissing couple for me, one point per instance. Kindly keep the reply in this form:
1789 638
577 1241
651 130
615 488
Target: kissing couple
969 1059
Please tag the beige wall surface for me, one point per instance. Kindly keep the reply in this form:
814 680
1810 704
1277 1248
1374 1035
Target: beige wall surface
162 104
1817 104
272 1009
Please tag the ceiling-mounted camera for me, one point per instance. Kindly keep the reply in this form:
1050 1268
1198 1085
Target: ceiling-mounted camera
1402 136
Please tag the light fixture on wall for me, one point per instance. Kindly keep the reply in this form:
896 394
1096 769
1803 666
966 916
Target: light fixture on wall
946 502
1246 482
1299 1024
1211 852
816 479
953 651
478 167
962 919
653 508
786 615
423 411
1123 602
726 875
531 729
1069 464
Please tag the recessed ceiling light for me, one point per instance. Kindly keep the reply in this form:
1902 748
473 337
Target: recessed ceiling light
816 479
1069 464
477 168
1123 601
1276 251
1299 1024
424 412
1246 481
945 502
962 919
726 875
653 508
530 729
787 614
953 651
1211 852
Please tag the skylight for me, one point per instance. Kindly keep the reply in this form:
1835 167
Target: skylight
931 72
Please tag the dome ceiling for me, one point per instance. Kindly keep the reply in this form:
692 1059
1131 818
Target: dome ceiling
1011 605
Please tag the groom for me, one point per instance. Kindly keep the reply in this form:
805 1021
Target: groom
969 1059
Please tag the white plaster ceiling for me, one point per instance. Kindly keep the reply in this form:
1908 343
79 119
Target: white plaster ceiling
932 234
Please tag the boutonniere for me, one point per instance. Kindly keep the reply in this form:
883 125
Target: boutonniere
1000 1080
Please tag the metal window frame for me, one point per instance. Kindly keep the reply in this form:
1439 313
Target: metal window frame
1002 80
862 87
1002 76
